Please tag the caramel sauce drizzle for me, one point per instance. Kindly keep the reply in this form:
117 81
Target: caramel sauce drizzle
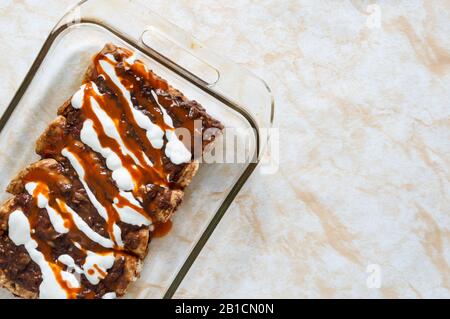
141 172
100 271
99 184
141 83
46 249
48 186
182 118
156 173
162 229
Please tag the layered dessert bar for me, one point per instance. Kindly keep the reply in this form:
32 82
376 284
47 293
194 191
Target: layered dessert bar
115 163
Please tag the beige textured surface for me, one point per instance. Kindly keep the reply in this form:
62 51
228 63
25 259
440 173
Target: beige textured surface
364 119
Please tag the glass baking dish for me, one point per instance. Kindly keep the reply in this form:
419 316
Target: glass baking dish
240 100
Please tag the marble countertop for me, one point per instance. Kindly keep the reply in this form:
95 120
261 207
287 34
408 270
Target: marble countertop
360 204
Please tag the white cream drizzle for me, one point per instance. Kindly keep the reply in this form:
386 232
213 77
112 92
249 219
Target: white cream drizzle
70 263
98 206
78 98
167 119
94 261
134 218
89 137
175 150
89 268
118 235
153 132
111 130
132 59
107 123
20 233
81 174
120 174
129 215
70 279
85 229
55 218
109 295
